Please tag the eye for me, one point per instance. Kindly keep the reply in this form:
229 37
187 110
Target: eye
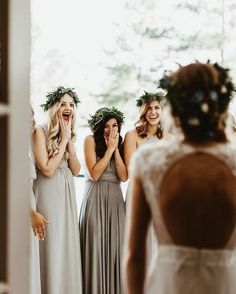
115 125
63 103
72 105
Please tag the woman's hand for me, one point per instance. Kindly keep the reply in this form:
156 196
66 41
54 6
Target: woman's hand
38 224
113 139
65 129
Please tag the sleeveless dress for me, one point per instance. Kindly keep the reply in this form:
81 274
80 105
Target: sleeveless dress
179 269
60 257
102 219
35 286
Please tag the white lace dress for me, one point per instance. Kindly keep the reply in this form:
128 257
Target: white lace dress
178 269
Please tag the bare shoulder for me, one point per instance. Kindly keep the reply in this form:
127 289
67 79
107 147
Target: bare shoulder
39 132
131 134
89 140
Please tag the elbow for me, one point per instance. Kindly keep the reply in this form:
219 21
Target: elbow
47 173
75 173
94 178
124 178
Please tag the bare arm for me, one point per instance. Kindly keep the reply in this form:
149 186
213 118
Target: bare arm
130 145
120 166
73 161
138 221
45 164
94 168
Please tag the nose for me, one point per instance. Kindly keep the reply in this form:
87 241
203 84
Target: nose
68 107
153 111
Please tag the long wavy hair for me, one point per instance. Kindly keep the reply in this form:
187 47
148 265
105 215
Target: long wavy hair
99 139
142 126
54 138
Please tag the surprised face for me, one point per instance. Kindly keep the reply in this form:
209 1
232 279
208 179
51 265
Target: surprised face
111 125
67 108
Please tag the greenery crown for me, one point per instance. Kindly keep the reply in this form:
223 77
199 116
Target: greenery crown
147 97
55 96
104 112
220 94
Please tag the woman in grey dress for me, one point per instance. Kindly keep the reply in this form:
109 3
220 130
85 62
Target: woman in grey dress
102 214
38 223
148 129
57 163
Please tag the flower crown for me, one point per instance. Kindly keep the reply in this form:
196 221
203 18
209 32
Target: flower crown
147 97
219 95
55 96
104 112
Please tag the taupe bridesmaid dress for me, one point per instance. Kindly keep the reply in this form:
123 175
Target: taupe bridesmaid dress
102 219
60 256
35 286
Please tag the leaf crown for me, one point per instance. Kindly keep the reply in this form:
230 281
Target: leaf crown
102 113
148 97
55 96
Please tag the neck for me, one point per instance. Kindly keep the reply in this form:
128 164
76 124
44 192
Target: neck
152 130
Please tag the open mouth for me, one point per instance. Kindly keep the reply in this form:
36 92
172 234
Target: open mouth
66 115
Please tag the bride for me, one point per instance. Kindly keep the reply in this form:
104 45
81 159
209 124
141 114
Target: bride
188 189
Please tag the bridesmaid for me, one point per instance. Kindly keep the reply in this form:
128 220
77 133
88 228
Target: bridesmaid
102 214
38 223
57 163
148 129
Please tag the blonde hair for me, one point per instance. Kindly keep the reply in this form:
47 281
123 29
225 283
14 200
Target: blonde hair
141 125
54 138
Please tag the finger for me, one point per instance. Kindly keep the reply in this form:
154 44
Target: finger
61 122
70 121
106 141
43 230
41 233
45 221
34 231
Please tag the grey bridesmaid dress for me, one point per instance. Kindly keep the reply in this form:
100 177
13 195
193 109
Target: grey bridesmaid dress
35 286
102 219
60 256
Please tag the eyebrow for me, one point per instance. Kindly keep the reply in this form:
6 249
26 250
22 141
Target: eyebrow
71 102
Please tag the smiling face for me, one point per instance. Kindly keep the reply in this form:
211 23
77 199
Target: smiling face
67 107
111 124
153 113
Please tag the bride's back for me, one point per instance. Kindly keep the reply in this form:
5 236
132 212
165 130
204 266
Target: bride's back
198 201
